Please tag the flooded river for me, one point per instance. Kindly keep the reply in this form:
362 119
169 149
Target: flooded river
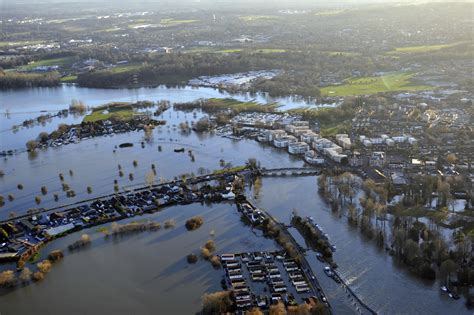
375 277
144 273
27 103
147 273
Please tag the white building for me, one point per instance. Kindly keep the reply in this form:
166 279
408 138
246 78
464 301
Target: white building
271 135
298 147
283 142
321 143
344 141
412 141
399 139
313 158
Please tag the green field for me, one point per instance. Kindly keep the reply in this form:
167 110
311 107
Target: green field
125 68
61 62
230 103
118 111
229 51
421 49
173 22
331 131
69 79
270 51
371 85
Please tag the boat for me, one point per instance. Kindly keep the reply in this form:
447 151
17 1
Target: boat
179 150
328 271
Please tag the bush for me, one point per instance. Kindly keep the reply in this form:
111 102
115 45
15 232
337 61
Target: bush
217 303
43 136
277 309
7 278
169 224
194 223
25 275
44 266
37 276
205 253
215 261
83 242
55 255
31 145
210 245
192 258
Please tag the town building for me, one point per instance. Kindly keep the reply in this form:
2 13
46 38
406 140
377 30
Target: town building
298 147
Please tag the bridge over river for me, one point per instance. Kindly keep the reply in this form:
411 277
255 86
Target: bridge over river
290 171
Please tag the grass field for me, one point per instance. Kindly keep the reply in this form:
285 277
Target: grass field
421 49
120 111
270 51
62 62
69 78
225 103
228 51
371 85
125 68
173 22
330 131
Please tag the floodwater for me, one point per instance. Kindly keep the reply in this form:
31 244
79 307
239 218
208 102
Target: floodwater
147 272
28 103
143 273
375 277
